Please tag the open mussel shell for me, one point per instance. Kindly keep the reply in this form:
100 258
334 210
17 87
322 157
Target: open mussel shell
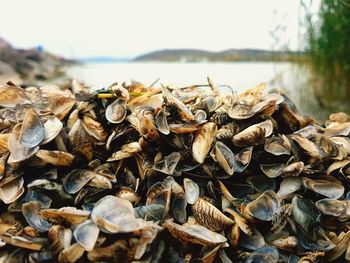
168 164
32 130
76 180
11 191
305 214
18 151
272 170
224 156
264 207
278 145
86 234
327 188
243 158
241 112
253 241
337 129
332 207
115 215
191 190
52 128
178 207
31 212
116 111
289 185
194 234
159 193
162 122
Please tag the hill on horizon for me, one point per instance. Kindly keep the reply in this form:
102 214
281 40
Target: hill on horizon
198 55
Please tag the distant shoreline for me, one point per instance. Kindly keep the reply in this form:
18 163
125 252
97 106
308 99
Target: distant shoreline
198 56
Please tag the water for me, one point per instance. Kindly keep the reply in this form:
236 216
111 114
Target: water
239 75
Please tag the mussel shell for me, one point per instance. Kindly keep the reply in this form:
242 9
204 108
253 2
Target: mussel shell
253 135
225 157
116 111
194 234
11 191
159 193
266 254
162 122
243 158
168 164
253 241
65 215
181 109
30 212
324 187
293 170
115 215
12 96
332 207
264 207
241 112
18 151
272 170
178 207
289 185
94 128
278 145
55 158
71 253
337 129
209 216
153 212
76 180
191 190
86 234
305 214
32 130
52 128
203 140
59 237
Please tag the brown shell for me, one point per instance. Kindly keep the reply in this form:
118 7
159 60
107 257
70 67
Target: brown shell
65 215
60 237
209 216
194 234
203 140
253 135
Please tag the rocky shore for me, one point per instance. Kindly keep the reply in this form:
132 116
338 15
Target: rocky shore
25 66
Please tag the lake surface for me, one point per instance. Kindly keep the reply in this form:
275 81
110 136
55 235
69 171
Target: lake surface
239 75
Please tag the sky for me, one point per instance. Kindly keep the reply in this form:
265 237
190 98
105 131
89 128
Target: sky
89 28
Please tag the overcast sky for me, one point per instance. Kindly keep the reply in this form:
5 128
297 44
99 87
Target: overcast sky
83 28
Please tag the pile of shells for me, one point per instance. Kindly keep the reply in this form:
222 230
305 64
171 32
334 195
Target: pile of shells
170 174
